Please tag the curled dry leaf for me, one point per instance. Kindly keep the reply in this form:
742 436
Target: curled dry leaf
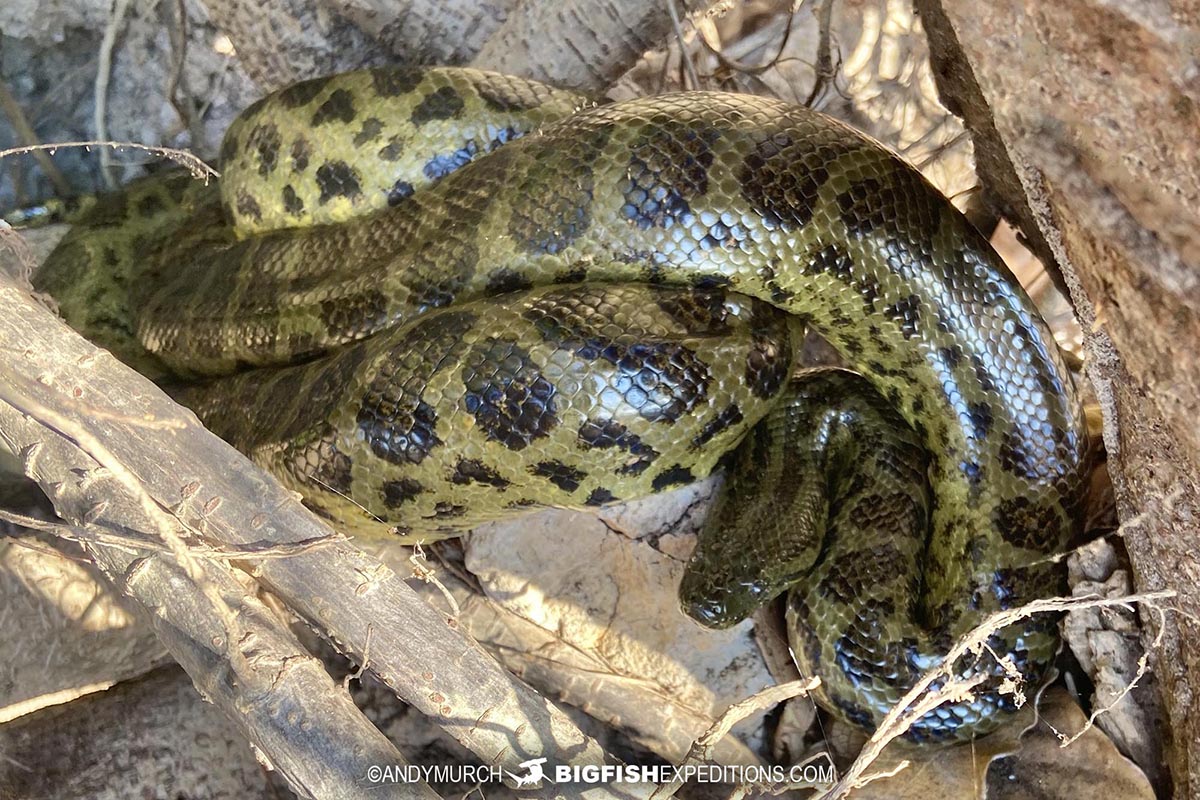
56 605
952 773
602 622
1043 768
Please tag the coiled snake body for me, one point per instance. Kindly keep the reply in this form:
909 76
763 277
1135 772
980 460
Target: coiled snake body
527 301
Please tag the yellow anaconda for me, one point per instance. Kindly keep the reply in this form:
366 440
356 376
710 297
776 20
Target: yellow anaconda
533 301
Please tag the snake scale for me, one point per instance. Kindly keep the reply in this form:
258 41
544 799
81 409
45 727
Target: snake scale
428 298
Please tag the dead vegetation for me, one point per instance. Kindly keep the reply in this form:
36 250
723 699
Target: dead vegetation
153 508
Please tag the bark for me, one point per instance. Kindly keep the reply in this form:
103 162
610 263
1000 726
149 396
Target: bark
1085 116
283 41
148 738
580 44
239 655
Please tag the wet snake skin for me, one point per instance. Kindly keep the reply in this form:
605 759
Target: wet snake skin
443 296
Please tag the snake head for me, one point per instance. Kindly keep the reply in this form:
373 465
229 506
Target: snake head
719 606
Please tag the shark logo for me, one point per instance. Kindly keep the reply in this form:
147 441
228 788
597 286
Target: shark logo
533 774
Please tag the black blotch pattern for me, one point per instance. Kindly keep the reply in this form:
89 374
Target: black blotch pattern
973 472
699 311
668 165
397 493
504 280
854 652
661 379
470 208
1012 587
861 213
400 434
338 179
906 312
951 356
300 154
230 147
292 203
395 81
433 284
469 470
1024 523
299 94
401 190
600 496
393 149
356 313
444 103
503 136
115 210
1015 456
982 374
893 511
778 184
769 275
881 343
548 213
835 261
767 365
333 467
372 127
853 712
563 476
847 576
811 646
512 402
524 502
338 107
576 274
247 206
605 433
393 418
904 206
728 416
264 140
149 205
981 417
677 475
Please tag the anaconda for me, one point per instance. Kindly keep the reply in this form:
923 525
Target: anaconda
502 296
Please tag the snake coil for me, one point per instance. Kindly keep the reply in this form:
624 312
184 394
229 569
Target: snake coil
461 295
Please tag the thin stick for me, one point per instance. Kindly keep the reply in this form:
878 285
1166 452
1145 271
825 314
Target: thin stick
918 700
100 92
25 133
193 163
684 58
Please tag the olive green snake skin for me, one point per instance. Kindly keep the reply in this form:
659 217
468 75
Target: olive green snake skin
494 296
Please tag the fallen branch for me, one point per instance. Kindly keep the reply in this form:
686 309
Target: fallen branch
239 654
193 164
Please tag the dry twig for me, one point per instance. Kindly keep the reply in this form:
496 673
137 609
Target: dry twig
192 163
